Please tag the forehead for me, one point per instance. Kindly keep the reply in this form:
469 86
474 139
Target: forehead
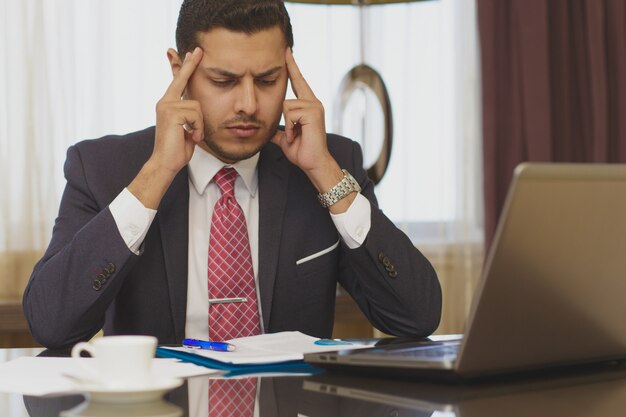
238 51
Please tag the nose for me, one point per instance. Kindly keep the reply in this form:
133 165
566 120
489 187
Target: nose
246 98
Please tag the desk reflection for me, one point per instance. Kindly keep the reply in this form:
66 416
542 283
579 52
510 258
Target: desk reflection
593 392
160 408
575 394
275 397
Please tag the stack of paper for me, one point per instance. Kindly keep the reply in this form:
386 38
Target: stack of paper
272 352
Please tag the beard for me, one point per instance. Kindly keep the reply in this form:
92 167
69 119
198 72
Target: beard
226 156
235 156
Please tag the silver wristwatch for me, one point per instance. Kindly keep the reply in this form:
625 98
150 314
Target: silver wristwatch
344 187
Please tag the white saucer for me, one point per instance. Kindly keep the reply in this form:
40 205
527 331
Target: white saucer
159 408
154 391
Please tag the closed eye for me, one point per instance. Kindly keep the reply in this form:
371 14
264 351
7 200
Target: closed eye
266 82
223 83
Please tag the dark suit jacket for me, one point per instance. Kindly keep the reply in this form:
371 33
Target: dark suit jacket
89 279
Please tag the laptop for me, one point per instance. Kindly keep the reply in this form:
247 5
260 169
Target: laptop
552 289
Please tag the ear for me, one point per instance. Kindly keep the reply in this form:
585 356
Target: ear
175 61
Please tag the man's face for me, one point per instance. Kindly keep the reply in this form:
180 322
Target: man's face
240 84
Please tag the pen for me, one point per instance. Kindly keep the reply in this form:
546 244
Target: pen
205 344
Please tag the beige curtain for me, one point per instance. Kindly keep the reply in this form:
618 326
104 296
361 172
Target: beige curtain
69 70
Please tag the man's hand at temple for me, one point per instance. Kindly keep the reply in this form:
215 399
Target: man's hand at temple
304 138
179 128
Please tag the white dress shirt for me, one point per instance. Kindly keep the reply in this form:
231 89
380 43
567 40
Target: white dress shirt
133 221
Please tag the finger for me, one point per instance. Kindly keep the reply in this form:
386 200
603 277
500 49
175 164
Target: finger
190 119
297 117
298 84
177 87
189 127
293 130
177 110
288 130
278 137
191 112
298 104
195 134
192 125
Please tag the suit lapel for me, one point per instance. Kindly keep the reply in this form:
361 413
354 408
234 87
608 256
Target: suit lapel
273 181
174 227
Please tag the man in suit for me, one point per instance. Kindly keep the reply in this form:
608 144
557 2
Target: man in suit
129 246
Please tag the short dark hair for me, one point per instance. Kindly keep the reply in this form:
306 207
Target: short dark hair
247 16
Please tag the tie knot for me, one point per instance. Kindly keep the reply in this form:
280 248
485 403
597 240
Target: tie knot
225 180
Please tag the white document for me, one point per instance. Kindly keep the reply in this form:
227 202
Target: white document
270 348
45 376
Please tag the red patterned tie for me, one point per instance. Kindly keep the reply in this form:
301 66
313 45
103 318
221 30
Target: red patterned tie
230 267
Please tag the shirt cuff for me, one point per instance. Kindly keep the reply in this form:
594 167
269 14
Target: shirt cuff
354 224
132 219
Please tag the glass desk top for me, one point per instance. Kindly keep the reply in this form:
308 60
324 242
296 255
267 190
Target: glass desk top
592 391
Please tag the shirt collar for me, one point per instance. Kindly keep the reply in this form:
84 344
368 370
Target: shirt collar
203 166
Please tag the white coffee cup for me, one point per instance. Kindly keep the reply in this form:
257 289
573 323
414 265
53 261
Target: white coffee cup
118 361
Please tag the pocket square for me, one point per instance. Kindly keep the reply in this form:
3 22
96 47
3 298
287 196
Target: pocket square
317 254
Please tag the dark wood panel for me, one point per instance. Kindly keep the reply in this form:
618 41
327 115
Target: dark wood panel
349 320
14 331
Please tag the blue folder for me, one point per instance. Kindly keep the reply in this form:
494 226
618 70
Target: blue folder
295 367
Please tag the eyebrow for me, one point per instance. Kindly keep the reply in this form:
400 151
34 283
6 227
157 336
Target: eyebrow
229 74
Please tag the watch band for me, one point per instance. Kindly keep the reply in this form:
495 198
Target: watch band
341 190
